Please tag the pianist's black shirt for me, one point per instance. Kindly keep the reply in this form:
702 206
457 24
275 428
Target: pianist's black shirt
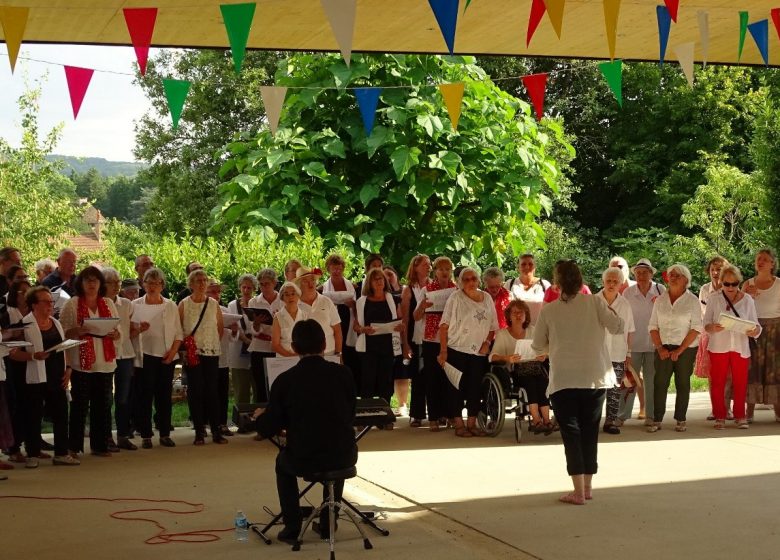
315 402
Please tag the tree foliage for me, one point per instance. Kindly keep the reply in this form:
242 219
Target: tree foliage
182 163
37 214
414 184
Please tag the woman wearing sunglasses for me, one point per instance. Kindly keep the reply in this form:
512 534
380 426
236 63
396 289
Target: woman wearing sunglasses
729 349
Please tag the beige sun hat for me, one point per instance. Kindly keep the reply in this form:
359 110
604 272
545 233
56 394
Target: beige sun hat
644 263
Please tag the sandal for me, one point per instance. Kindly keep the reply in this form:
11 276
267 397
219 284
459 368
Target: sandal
549 428
476 432
433 426
537 428
572 498
415 424
720 425
463 431
681 427
199 441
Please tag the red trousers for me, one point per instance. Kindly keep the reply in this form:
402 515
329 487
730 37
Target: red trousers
721 362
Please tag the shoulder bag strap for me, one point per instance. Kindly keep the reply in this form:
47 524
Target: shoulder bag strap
731 305
202 313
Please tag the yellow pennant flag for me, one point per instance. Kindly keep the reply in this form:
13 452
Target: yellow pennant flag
453 97
555 11
14 20
611 13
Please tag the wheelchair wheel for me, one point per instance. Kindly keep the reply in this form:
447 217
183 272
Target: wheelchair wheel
518 428
491 417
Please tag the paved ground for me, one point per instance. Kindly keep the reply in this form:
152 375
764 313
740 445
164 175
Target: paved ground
701 494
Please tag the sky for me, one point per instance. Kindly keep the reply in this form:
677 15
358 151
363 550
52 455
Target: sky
105 124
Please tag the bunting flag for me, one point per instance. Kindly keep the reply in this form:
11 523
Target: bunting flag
611 12
613 73
238 22
664 24
341 15
78 82
176 92
685 57
555 11
367 98
672 6
743 21
466 7
760 32
446 12
775 12
140 25
453 98
704 35
537 13
14 21
535 84
273 100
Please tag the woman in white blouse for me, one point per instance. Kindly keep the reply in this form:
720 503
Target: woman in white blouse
713 269
260 328
764 288
201 314
319 308
528 287
729 350
239 358
93 362
125 357
617 344
467 328
572 331
417 278
47 378
285 319
674 327
158 346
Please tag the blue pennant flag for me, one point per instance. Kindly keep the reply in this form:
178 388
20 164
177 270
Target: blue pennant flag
760 32
367 99
664 23
446 12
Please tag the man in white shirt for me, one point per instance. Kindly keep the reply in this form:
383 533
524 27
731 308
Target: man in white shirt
641 297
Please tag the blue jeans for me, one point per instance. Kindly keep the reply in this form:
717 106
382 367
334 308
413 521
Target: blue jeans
122 380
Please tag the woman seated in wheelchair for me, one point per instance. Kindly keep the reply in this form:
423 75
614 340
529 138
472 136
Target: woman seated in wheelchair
526 371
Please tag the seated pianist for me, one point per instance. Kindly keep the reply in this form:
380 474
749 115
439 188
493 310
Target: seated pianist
315 402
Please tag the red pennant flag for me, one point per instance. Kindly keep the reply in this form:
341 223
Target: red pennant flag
672 6
537 13
140 25
776 19
536 84
78 82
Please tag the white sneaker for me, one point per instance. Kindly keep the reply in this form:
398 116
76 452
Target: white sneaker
403 410
65 460
31 463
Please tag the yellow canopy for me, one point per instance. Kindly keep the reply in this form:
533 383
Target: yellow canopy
486 27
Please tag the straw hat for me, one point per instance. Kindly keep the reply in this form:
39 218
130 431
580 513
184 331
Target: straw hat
303 271
644 263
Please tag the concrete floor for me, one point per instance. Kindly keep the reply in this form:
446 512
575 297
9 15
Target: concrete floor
700 494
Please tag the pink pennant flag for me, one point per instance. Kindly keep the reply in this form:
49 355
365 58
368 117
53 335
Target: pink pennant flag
78 82
536 84
140 25
537 13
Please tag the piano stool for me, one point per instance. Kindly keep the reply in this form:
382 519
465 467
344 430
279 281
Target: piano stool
329 479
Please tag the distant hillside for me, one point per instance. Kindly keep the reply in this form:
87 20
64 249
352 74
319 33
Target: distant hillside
104 167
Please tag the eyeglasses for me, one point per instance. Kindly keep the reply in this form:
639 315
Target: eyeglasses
730 284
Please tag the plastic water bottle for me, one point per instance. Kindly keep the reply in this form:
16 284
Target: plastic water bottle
242 527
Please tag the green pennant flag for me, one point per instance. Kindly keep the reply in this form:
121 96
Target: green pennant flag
613 73
238 21
467 6
743 21
176 92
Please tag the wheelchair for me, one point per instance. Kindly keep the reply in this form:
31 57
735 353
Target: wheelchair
501 395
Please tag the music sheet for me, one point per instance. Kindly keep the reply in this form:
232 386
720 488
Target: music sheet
274 367
439 299
735 324
523 348
101 326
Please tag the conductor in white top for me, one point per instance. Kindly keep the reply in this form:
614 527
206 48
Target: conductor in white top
572 331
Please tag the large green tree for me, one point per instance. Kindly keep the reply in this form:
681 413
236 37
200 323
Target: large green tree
182 163
37 214
413 184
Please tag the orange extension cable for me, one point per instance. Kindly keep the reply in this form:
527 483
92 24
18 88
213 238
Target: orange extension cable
162 537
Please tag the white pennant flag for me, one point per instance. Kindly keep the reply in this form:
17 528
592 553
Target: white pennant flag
273 99
341 15
704 35
685 57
